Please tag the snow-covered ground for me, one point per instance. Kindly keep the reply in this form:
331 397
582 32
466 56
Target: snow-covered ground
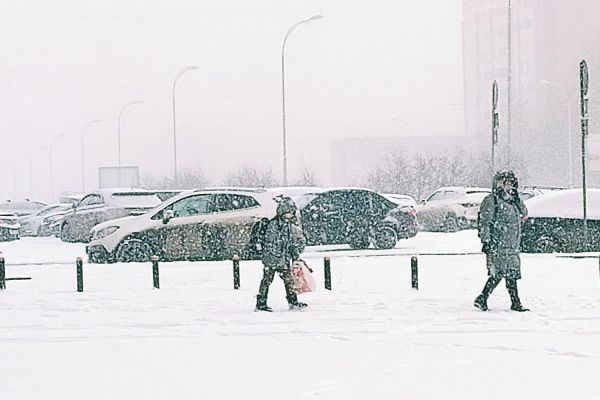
371 337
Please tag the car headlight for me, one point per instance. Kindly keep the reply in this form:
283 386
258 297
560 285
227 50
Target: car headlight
104 232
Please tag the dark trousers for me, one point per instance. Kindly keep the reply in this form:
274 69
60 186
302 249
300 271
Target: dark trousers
511 286
268 276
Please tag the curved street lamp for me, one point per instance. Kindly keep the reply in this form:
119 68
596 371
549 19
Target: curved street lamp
83 131
292 28
179 75
51 146
563 93
119 125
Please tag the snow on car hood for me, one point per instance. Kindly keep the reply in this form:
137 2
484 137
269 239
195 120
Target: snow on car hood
564 204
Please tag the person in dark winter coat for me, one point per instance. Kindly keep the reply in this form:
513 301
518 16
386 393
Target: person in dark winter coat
283 244
501 214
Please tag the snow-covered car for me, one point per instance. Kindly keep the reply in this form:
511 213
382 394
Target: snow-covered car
354 216
20 208
104 205
194 225
31 225
555 222
450 209
9 227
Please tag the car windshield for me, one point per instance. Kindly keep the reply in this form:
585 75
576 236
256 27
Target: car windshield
135 199
303 200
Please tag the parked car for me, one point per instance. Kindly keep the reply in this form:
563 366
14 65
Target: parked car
104 205
9 227
450 209
31 225
19 208
194 225
357 217
555 222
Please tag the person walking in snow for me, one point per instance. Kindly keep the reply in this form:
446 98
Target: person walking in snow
501 214
282 244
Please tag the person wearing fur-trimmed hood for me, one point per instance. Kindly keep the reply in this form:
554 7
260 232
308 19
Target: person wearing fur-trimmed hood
501 215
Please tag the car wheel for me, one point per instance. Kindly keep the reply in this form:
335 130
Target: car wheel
64 232
450 224
545 244
134 250
359 241
385 238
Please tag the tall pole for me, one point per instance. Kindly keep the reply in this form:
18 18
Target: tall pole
495 121
569 127
119 125
583 82
83 153
51 165
509 86
292 28
179 75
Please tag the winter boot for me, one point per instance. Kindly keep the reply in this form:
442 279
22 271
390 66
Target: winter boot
261 304
293 302
481 302
513 291
518 307
298 305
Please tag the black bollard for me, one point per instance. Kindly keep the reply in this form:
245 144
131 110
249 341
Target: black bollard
236 272
414 273
327 270
79 263
2 274
155 277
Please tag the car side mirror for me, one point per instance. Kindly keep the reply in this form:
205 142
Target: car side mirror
422 201
167 215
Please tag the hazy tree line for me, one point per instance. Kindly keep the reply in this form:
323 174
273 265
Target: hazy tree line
416 175
420 174
243 176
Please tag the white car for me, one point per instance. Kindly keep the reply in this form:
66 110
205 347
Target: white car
9 227
450 209
104 205
194 225
31 225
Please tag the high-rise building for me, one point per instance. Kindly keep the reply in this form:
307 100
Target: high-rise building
533 48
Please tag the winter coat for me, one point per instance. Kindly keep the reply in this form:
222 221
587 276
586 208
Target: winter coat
500 219
283 244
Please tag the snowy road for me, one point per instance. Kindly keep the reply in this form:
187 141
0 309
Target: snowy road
371 337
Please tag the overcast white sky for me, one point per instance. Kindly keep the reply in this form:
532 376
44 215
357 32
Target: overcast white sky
378 68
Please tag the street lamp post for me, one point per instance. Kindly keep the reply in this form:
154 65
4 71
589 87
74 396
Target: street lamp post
119 125
179 75
83 152
31 169
51 146
292 28
570 138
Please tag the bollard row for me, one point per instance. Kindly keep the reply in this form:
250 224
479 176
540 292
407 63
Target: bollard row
236 273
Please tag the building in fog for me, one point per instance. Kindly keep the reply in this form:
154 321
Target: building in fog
540 75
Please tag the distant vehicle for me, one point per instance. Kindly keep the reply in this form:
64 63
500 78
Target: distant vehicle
555 222
69 197
401 199
9 227
450 209
194 225
31 225
19 208
104 205
354 216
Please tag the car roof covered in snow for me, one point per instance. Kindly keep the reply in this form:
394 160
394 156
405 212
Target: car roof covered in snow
566 203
